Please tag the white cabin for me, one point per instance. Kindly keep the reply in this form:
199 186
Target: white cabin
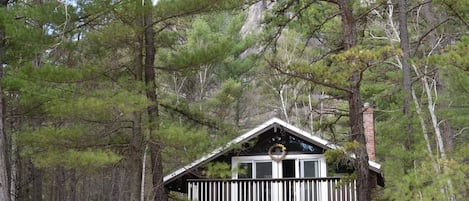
275 161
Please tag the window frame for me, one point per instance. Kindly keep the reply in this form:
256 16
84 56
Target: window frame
277 166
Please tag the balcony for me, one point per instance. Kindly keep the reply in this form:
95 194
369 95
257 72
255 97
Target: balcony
286 189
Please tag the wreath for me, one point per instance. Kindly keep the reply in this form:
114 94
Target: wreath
278 157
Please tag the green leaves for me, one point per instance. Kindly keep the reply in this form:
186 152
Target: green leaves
219 170
70 147
455 55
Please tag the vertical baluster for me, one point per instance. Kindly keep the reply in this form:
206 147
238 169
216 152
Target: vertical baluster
281 185
339 191
354 186
284 186
309 190
349 184
331 187
236 194
240 189
346 191
219 191
304 190
223 190
342 193
296 192
319 189
337 187
249 190
189 191
263 190
335 190
195 190
198 190
257 190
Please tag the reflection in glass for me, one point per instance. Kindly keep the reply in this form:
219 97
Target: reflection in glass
264 170
245 170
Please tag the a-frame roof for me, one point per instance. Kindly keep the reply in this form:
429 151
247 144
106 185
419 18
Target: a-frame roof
272 123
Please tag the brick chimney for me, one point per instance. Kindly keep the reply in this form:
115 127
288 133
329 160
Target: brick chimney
369 126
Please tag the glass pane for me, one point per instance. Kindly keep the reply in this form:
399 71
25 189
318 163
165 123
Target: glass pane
310 169
288 168
264 170
245 170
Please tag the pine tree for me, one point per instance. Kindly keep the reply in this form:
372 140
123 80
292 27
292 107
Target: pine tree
4 162
338 66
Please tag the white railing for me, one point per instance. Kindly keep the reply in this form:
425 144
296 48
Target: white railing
291 189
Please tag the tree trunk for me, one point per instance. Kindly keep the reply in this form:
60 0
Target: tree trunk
137 141
4 181
73 185
37 183
404 43
150 82
349 38
60 183
358 135
438 135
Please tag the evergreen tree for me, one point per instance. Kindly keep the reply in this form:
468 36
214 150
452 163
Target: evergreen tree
4 163
338 66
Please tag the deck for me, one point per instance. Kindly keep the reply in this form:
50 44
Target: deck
286 189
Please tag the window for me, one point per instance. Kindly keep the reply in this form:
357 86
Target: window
245 170
309 168
255 169
293 166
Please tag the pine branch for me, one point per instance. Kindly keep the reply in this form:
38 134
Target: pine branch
187 114
308 78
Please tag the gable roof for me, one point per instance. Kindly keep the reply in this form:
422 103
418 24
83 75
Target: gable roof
272 123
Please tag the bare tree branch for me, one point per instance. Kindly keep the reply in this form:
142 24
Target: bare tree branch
307 78
420 41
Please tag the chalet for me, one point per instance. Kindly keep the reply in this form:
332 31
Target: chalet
273 162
